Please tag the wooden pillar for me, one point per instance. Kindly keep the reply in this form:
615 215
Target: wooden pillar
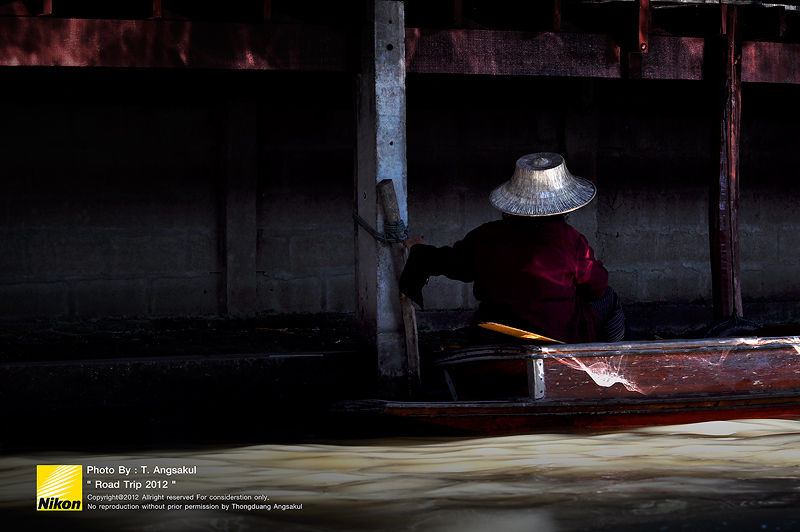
240 209
724 198
556 15
645 16
381 145
637 43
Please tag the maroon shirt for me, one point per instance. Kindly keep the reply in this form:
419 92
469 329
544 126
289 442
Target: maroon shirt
528 273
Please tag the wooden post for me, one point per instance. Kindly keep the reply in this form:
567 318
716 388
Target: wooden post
632 67
556 15
392 214
724 197
643 42
381 154
458 14
240 210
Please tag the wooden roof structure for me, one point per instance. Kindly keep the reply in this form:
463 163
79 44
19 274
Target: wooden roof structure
725 43
580 38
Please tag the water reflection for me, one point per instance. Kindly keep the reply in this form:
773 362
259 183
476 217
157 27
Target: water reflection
737 475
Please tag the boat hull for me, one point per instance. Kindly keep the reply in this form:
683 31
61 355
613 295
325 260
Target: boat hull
496 417
517 389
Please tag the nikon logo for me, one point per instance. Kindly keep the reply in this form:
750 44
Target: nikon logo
59 487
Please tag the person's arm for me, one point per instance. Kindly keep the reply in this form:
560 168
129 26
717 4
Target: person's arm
424 261
592 276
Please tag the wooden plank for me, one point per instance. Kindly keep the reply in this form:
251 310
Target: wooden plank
381 154
513 53
45 41
610 386
770 62
508 53
31 41
487 52
517 418
632 376
724 230
649 348
632 369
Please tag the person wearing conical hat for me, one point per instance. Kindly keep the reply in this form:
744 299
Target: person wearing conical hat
531 270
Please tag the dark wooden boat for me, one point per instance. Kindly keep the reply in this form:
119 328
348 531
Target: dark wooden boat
525 388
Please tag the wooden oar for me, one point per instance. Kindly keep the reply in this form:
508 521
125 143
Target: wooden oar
516 333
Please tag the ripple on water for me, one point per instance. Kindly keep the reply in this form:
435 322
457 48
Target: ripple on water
697 473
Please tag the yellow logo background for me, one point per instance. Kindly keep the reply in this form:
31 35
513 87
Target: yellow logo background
61 486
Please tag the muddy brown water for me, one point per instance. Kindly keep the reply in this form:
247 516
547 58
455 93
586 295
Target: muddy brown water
726 476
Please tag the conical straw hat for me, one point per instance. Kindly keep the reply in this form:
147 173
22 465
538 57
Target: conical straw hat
542 186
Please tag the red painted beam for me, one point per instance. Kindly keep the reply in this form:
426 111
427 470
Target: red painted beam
513 53
27 41
37 41
770 62
462 51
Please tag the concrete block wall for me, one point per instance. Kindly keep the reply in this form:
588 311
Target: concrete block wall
112 203
648 147
305 256
654 167
109 199
769 214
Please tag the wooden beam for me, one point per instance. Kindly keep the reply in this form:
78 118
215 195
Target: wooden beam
508 53
512 53
381 154
770 62
45 41
488 52
724 196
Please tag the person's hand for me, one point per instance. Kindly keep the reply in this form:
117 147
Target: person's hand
410 241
